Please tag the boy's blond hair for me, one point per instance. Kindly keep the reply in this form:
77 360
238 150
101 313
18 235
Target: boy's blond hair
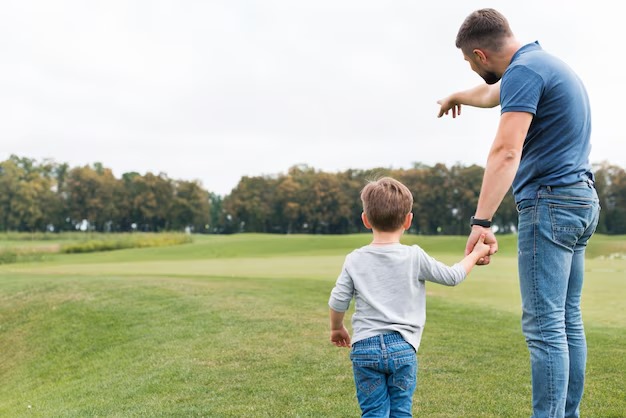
386 202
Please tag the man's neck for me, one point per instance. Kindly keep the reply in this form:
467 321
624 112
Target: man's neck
506 54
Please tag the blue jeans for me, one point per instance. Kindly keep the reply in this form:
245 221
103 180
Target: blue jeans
553 233
385 375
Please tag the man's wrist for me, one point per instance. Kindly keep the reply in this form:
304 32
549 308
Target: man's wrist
485 223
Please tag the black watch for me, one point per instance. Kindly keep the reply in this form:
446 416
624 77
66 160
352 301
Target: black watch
482 222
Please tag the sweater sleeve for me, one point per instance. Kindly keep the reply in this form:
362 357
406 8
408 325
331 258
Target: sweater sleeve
342 293
435 271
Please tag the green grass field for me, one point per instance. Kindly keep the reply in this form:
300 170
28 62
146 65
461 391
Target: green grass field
237 326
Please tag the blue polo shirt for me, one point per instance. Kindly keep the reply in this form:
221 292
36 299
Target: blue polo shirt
556 149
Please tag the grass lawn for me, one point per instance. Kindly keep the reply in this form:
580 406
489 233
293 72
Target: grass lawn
237 326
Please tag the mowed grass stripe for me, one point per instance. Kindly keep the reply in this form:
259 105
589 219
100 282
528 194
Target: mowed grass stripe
318 267
494 286
263 245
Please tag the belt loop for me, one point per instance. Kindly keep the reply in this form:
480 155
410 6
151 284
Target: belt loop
549 189
382 342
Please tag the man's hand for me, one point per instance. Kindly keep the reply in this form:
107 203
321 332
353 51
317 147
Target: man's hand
483 95
340 337
490 239
448 104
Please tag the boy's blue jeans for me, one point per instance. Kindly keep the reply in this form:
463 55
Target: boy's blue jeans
385 375
553 233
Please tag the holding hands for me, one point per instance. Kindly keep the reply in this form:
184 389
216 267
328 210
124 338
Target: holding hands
482 240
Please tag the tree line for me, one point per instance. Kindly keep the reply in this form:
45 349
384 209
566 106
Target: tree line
51 196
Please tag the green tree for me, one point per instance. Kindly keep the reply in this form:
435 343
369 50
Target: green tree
465 185
27 201
248 208
216 213
351 184
151 199
10 175
287 205
610 181
330 208
190 206
91 196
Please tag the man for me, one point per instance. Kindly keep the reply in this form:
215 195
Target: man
541 148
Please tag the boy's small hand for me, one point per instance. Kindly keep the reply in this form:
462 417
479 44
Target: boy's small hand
340 337
481 248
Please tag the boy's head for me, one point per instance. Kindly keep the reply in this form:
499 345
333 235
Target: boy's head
386 204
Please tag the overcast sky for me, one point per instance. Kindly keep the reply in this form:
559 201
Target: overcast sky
219 89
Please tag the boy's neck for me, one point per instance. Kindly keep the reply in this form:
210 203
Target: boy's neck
386 237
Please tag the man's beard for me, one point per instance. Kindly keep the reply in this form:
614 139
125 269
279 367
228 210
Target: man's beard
490 78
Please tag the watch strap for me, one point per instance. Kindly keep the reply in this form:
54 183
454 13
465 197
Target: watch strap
481 222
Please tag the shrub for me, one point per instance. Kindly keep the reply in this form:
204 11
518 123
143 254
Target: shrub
126 241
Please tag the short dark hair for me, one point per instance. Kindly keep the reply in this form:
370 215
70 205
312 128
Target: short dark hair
386 202
484 28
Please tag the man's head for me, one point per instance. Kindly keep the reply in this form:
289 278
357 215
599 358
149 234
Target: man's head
483 38
386 204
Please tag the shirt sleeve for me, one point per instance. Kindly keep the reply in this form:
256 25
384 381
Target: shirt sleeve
433 270
342 293
520 90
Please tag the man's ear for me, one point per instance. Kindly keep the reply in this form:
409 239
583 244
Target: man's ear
408 220
480 55
366 222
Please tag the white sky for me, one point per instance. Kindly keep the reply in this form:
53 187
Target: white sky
215 90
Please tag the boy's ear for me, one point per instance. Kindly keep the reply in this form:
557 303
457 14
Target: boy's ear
366 222
408 220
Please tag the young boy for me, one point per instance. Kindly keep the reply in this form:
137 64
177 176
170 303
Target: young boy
387 281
